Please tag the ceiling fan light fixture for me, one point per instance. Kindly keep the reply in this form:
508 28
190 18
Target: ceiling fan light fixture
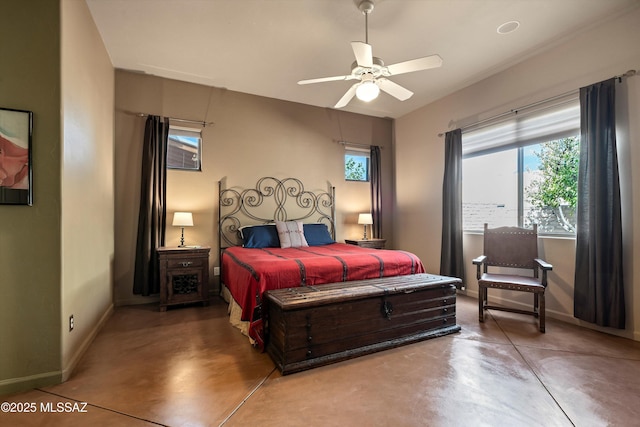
367 91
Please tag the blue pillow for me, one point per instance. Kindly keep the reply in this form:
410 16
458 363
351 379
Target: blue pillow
260 236
317 234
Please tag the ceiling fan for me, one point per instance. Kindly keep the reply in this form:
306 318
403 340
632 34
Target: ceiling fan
371 71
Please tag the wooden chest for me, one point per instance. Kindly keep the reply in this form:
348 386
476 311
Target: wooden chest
317 325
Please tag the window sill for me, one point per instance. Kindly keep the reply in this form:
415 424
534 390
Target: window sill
540 235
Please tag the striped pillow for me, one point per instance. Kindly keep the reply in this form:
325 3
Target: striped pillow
291 234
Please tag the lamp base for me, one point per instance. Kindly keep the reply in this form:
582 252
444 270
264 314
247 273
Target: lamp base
182 245
364 237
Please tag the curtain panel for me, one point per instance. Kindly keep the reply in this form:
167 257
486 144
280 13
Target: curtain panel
598 289
376 192
451 256
152 217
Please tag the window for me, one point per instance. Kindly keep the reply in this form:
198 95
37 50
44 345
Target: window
524 170
184 149
356 164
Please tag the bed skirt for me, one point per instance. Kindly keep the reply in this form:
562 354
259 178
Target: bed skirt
235 313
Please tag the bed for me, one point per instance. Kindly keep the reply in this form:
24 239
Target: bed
277 235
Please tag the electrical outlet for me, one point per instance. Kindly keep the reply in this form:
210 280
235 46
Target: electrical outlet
71 323
216 271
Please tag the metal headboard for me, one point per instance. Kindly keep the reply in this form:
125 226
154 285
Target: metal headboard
271 199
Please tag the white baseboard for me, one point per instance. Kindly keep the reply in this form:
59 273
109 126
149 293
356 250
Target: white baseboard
44 379
68 370
16 385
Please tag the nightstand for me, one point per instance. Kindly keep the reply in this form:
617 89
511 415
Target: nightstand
184 275
369 243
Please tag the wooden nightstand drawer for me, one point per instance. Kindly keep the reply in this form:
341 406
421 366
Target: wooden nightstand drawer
184 275
183 262
369 243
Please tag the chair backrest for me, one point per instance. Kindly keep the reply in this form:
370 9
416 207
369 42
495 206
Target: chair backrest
511 246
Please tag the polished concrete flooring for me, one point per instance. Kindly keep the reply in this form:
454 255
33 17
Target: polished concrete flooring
189 367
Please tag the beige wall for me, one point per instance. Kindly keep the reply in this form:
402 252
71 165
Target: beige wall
595 55
252 137
87 181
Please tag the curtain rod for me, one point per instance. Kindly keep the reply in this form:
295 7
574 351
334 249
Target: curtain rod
355 144
514 111
629 73
198 122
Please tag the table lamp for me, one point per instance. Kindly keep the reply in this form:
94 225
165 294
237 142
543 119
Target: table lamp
182 219
365 219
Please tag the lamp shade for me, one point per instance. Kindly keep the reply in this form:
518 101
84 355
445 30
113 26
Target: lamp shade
367 91
365 218
182 219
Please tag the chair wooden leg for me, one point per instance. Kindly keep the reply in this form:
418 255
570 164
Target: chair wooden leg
535 304
482 292
541 311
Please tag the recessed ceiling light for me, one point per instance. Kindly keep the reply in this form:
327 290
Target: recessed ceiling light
508 27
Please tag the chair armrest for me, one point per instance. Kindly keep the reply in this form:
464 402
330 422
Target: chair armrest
478 262
543 264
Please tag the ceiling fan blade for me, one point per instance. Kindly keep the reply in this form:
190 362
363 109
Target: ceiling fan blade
394 89
325 79
363 53
346 98
432 61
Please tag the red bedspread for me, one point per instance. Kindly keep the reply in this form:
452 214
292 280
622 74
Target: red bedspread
248 273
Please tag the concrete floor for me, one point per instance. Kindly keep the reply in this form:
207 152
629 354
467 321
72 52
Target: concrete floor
189 367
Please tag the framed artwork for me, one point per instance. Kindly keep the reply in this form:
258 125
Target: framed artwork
16 176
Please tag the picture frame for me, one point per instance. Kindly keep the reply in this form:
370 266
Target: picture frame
16 169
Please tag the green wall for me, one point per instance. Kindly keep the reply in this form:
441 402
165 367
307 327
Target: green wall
30 237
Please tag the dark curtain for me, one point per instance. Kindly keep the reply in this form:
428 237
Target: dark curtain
451 257
153 212
598 290
376 192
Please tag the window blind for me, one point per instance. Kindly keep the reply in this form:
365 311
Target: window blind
356 150
547 121
185 132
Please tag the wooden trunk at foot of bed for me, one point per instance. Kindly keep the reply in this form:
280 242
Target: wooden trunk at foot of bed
317 325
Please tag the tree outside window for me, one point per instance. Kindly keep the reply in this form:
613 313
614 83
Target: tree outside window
553 193
356 167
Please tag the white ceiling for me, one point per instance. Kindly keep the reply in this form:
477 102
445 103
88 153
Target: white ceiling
264 47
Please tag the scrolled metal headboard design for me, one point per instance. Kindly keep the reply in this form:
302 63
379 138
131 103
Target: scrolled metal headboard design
271 199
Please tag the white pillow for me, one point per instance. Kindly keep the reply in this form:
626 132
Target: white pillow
291 234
